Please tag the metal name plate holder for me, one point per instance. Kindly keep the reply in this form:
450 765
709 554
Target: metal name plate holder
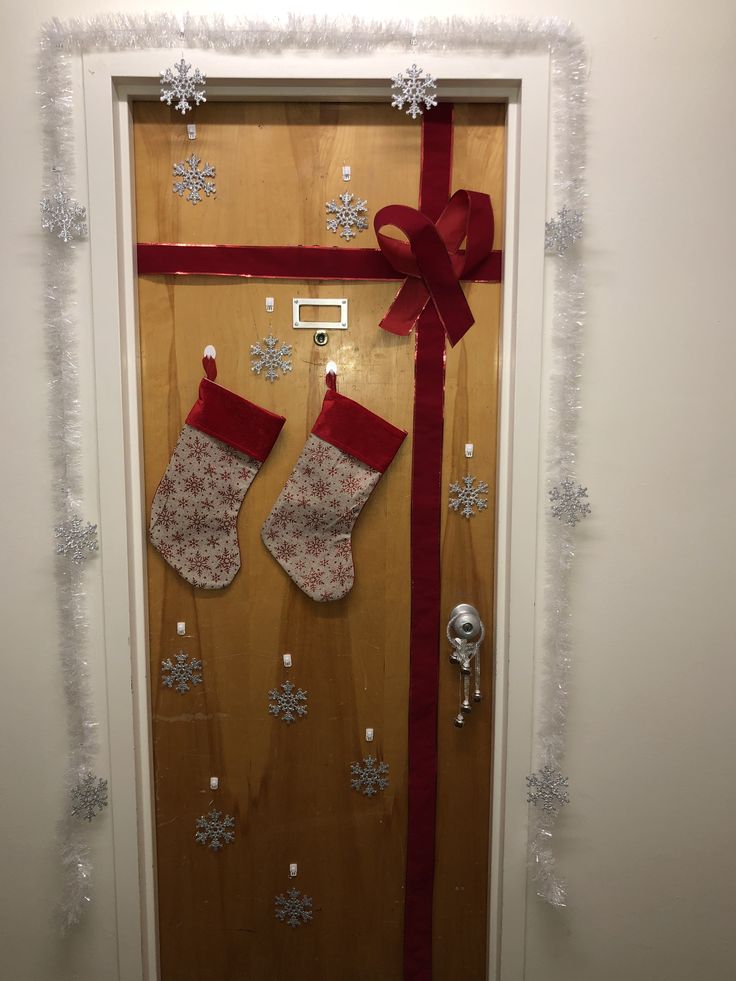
320 327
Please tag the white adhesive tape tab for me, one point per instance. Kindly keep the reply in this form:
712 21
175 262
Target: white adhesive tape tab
191 131
346 173
269 304
369 735
210 352
214 783
331 368
287 660
469 450
292 870
181 628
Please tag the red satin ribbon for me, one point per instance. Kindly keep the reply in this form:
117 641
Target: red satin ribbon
433 262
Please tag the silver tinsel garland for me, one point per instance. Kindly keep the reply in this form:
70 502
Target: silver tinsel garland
61 43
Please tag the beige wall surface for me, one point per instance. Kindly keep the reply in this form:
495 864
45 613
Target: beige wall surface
647 844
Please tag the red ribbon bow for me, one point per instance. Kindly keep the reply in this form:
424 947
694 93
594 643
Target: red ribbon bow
432 259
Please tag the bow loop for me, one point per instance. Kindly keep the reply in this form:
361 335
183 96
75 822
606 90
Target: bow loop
432 260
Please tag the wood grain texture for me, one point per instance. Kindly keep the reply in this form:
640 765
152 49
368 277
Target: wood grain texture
289 786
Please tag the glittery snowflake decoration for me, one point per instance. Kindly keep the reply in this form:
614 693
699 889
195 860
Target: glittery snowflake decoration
413 89
76 539
562 231
469 496
348 215
289 703
89 796
193 180
568 502
62 214
294 908
214 830
547 789
179 84
369 777
270 358
181 672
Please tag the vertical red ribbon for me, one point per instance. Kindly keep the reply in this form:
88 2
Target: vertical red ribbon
426 511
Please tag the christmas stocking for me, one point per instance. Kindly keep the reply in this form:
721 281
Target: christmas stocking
308 530
224 441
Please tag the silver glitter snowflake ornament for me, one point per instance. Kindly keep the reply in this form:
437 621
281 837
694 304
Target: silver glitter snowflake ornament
414 89
547 789
562 231
347 215
469 496
568 502
289 703
181 672
294 908
179 84
63 215
369 776
193 180
89 796
272 359
215 830
76 539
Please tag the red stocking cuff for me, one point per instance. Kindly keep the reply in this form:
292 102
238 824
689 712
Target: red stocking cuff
351 427
236 421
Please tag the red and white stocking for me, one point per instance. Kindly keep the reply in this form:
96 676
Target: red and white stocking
308 530
224 441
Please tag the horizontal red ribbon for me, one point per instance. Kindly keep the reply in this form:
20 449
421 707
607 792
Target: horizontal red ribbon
282 262
433 262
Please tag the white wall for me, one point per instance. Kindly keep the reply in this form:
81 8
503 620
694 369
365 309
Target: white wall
647 844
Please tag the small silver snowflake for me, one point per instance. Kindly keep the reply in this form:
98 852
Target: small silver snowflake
294 908
547 789
568 502
369 777
289 703
214 830
347 215
59 211
469 496
181 672
179 84
271 357
90 796
193 180
562 231
414 89
76 539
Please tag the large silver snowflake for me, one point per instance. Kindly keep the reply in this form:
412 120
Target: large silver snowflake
294 908
180 672
179 84
289 703
347 215
469 496
193 180
215 830
369 776
89 796
414 89
270 358
568 502
76 539
547 789
62 214
562 231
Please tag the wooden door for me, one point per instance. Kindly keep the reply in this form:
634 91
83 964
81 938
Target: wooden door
287 786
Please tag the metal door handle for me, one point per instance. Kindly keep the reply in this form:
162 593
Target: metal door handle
465 632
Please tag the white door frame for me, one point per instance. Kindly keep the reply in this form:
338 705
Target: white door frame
110 81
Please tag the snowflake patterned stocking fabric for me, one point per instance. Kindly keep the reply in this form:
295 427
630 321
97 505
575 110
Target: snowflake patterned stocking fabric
308 531
220 450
